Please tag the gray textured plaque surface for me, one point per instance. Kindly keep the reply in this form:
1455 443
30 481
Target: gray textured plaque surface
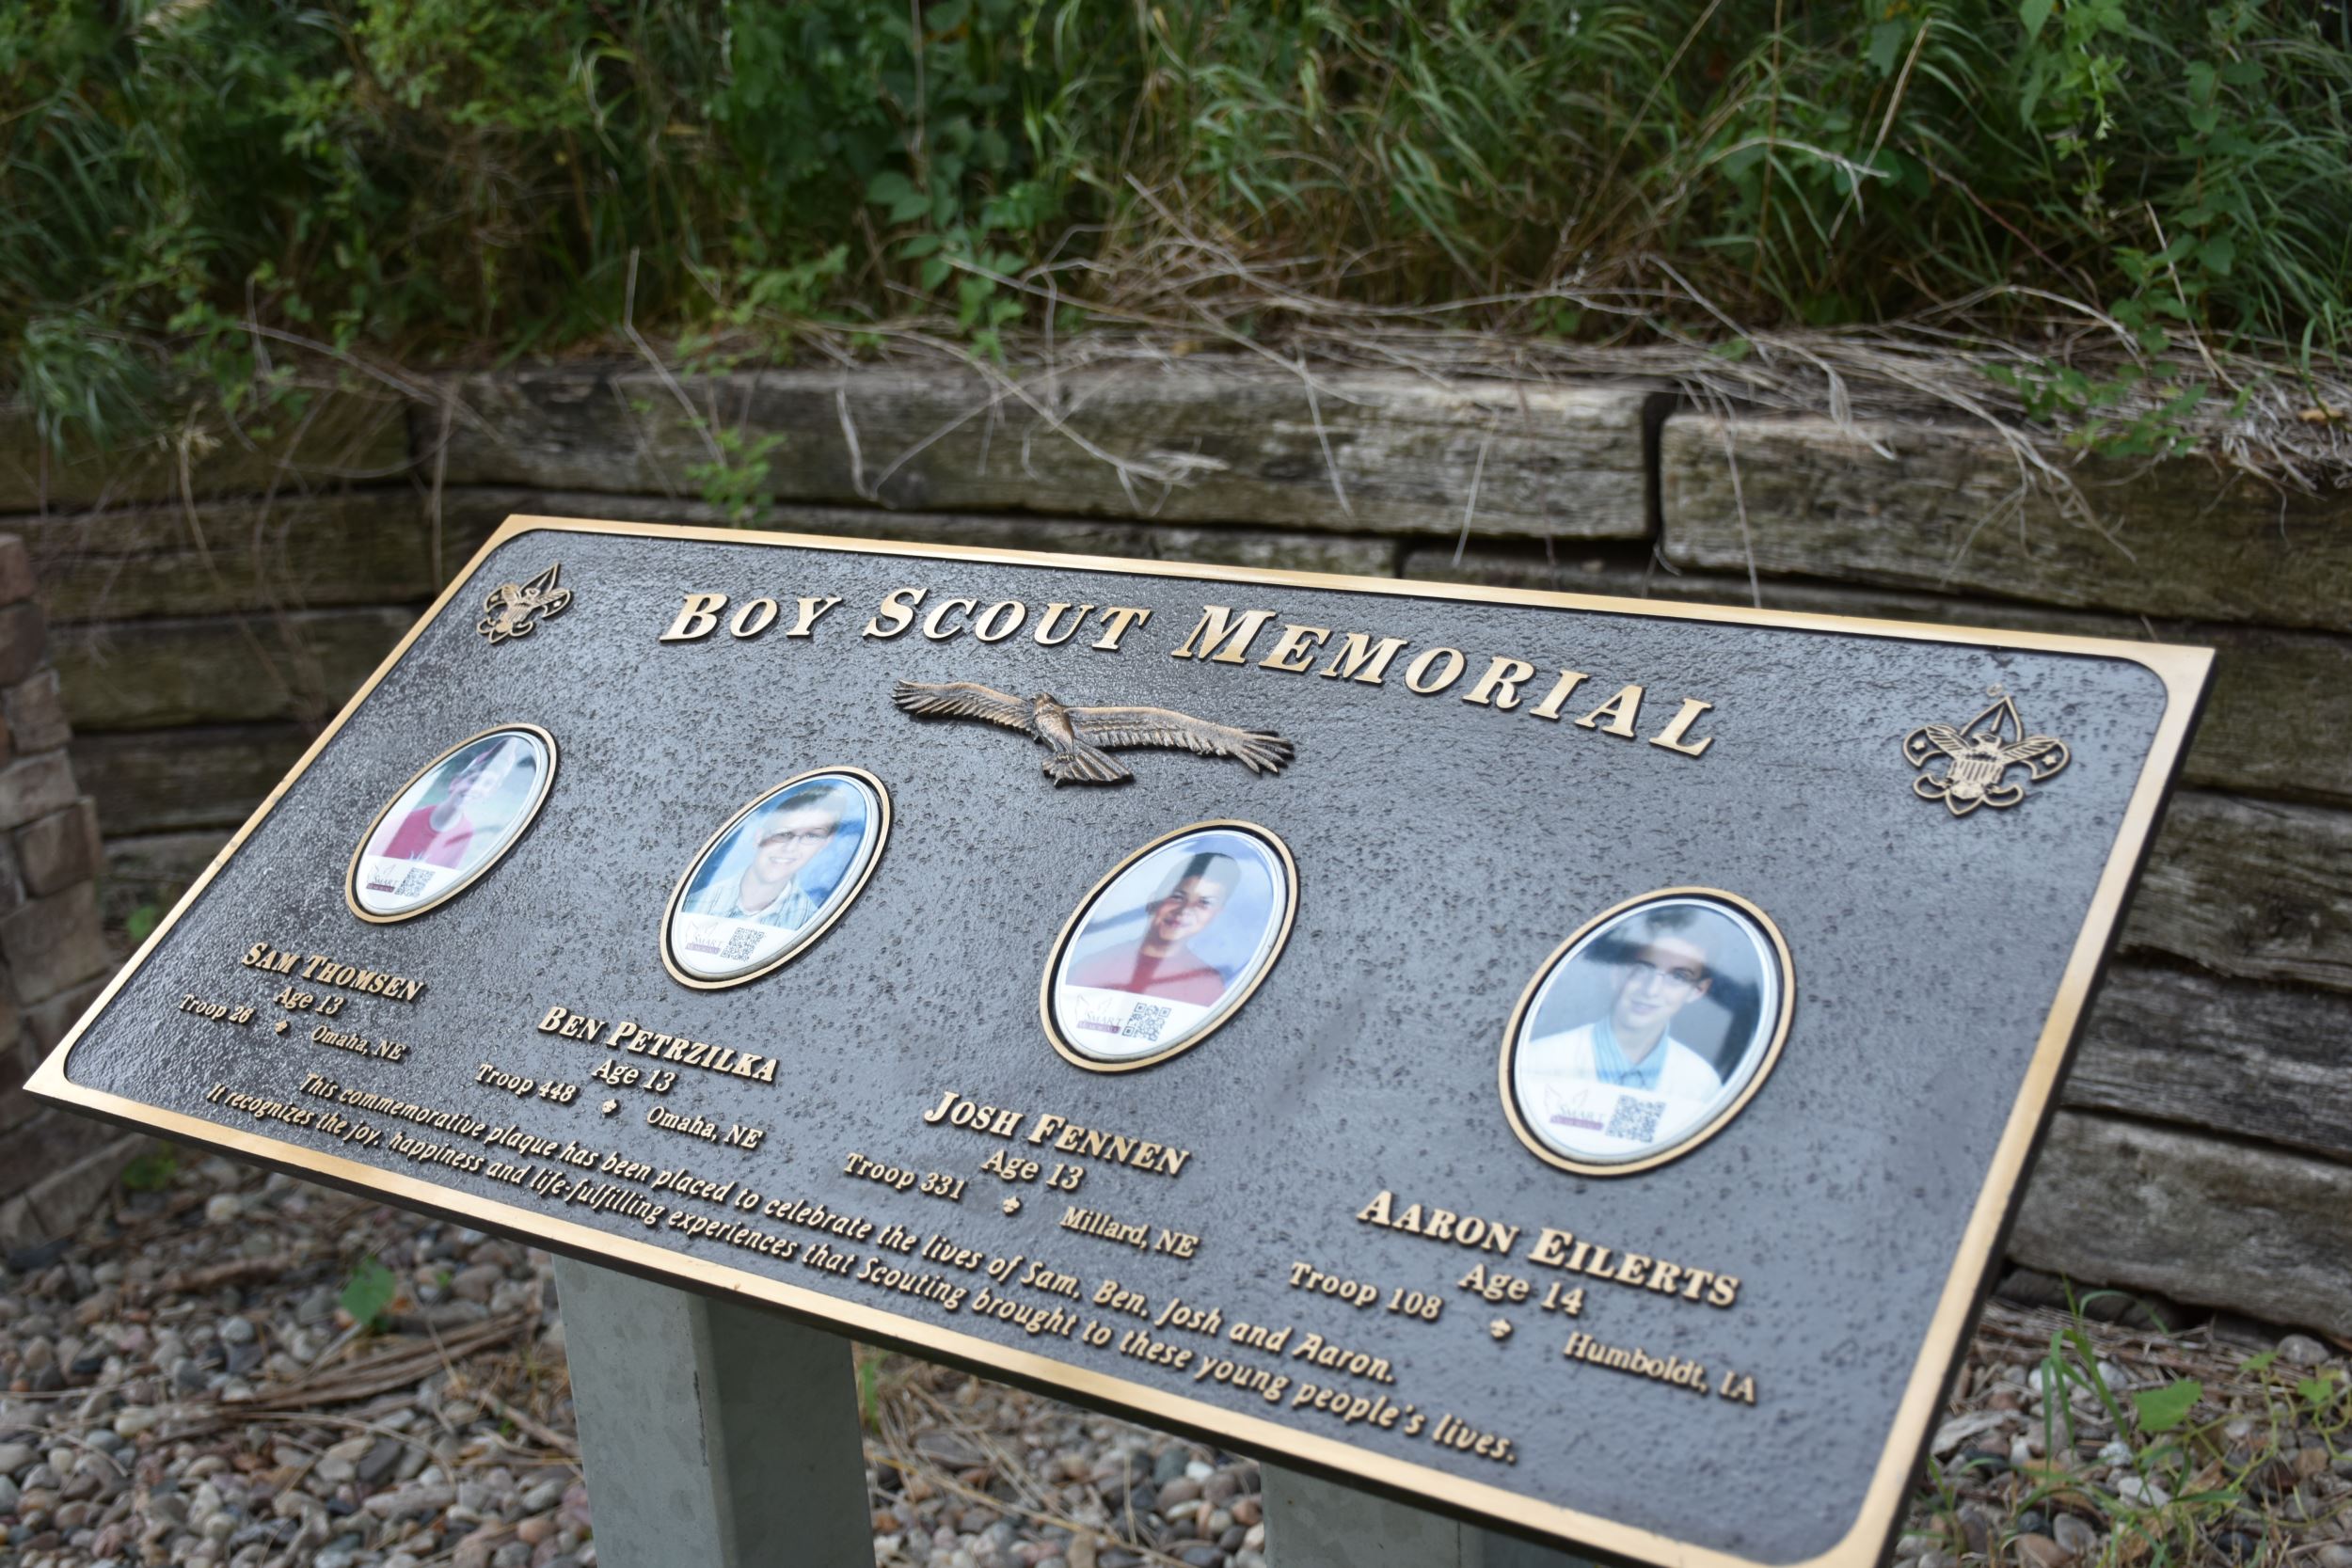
1444 849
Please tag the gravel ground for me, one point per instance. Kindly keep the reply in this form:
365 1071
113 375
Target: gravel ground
180 1384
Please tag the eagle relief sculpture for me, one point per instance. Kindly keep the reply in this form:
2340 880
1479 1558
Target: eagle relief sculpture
1077 737
1978 758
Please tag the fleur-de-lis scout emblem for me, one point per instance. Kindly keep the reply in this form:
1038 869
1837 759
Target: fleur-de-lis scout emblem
517 609
1978 758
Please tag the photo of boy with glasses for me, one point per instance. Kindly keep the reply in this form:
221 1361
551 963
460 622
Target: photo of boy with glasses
771 879
1666 963
786 839
1640 1062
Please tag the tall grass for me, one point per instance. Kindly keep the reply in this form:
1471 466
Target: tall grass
448 179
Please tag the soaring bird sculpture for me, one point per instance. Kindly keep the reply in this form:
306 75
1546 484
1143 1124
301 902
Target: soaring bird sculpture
1077 737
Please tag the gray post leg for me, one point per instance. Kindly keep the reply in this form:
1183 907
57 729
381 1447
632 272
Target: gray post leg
714 1435
1315 1523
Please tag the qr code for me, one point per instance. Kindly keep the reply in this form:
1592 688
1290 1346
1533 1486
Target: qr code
741 944
1635 1118
1145 1023
414 880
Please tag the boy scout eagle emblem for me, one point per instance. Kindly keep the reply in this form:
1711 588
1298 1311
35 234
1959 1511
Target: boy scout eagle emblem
1078 736
517 609
1977 759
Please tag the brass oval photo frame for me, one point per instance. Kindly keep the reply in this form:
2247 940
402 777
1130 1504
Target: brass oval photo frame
1715 1123
825 920
1225 1013
528 814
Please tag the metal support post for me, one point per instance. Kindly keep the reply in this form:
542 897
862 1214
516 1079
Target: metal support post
1318 1524
714 1434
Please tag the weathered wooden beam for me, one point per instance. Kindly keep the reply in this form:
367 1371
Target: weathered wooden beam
295 552
2276 693
2203 1220
2251 888
154 869
220 669
2260 1062
343 435
471 514
1197 441
377 546
1951 508
171 781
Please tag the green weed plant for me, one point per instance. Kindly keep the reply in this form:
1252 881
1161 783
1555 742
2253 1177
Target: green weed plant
2192 1467
368 1291
188 186
153 1171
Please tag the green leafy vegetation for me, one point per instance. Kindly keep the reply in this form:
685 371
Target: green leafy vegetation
2162 1467
141 921
2164 1408
370 1291
153 1171
2132 200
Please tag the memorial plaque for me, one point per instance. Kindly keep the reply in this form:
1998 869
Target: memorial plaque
1566 1060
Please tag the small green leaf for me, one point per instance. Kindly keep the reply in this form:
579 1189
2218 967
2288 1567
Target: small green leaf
2257 1363
153 1171
369 1291
2162 1409
1886 45
2218 254
2033 14
2317 1391
2188 398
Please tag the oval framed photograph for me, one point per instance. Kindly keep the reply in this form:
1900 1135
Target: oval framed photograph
1648 1031
451 823
774 878
1166 949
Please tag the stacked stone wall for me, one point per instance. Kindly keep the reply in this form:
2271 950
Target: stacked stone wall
54 956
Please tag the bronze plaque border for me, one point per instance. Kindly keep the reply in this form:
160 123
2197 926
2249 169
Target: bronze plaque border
2185 671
